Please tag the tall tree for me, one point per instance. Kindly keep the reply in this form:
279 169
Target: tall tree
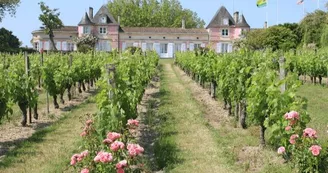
50 20
153 13
8 41
8 6
312 27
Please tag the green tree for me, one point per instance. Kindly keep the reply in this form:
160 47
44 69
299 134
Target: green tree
8 41
151 13
50 20
295 28
280 38
8 6
312 27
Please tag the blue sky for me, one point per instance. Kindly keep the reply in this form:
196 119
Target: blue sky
26 19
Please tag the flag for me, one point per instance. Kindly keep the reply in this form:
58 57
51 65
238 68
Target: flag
300 2
261 3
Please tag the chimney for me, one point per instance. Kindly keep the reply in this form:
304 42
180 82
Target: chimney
236 17
265 24
118 19
183 24
91 13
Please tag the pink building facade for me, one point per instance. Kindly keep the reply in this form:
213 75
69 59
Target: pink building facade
220 34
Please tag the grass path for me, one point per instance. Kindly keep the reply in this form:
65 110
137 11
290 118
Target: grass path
49 149
196 135
186 143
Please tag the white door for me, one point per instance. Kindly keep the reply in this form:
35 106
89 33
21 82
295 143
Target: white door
144 47
170 50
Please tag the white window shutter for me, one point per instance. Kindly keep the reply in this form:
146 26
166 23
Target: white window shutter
191 46
218 47
183 47
109 46
230 47
170 49
47 46
64 45
123 46
202 45
144 47
157 47
41 45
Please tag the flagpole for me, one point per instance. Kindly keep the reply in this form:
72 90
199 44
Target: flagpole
318 4
303 9
277 11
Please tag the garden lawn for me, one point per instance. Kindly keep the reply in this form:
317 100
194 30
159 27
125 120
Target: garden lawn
50 148
317 106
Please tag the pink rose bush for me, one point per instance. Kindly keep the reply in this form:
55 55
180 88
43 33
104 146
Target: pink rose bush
111 137
121 165
115 146
87 128
302 148
135 150
281 150
133 123
79 157
103 157
85 170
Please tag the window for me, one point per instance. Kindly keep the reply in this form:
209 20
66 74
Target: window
225 21
149 46
177 47
225 32
163 48
129 44
86 30
70 46
102 30
224 47
197 46
36 46
58 45
103 19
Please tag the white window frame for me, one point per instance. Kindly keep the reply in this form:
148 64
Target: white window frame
163 48
177 47
197 45
225 32
102 30
224 47
86 29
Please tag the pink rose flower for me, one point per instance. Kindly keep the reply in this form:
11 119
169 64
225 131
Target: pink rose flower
103 157
113 136
292 139
120 170
85 170
121 164
88 122
294 115
115 146
107 141
73 162
308 132
132 122
288 128
293 122
315 149
84 133
134 149
85 153
281 150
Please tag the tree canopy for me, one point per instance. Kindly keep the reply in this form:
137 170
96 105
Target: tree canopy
8 41
151 13
50 20
8 6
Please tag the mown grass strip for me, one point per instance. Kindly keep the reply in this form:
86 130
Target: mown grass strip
50 148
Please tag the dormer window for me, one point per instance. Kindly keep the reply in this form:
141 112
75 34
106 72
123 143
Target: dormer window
103 19
86 30
225 32
225 21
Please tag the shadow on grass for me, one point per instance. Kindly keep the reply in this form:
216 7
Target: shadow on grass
25 146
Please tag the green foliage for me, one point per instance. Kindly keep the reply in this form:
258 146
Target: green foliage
85 43
152 13
8 41
50 20
8 6
312 27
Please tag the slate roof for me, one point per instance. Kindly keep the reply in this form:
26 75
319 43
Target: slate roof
85 20
103 11
64 29
163 30
217 20
242 22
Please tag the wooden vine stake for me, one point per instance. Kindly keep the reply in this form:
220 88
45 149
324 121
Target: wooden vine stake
27 71
111 82
282 73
